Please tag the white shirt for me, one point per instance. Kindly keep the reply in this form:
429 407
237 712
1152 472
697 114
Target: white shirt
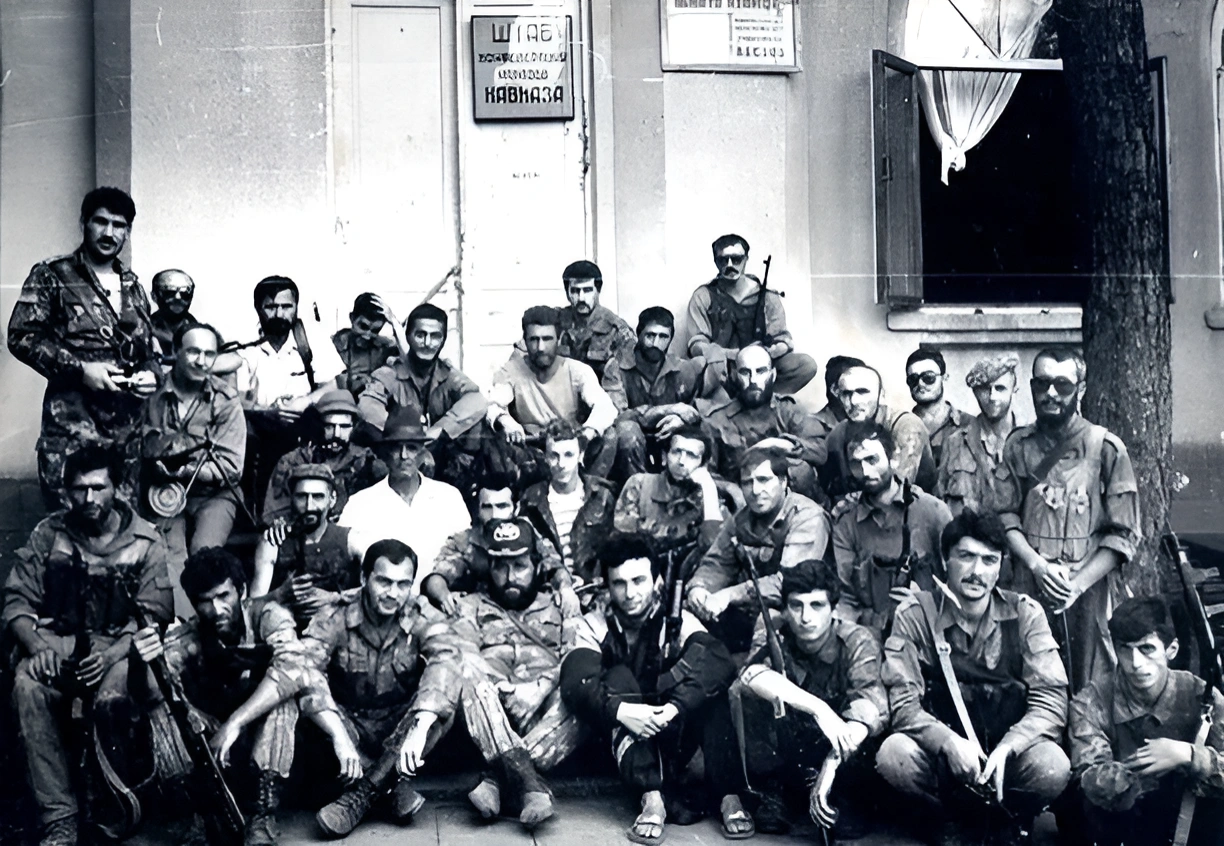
564 508
378 513
268 374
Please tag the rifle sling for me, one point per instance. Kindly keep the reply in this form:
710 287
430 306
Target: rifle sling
944 653
1047 464
304 351
1185 813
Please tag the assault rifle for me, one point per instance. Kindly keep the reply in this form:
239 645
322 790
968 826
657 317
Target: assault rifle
673 593
759 330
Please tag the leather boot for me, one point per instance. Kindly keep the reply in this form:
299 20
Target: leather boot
61 832
261 828
342 816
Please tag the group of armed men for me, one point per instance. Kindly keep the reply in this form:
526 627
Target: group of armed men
756 610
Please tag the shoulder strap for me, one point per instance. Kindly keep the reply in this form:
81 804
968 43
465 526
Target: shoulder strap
944 652
1185 813
303 348
1047 464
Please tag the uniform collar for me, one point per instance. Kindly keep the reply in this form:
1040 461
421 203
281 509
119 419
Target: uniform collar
670 364
1127 707
867 508
998 611
131 527
736 407
355 618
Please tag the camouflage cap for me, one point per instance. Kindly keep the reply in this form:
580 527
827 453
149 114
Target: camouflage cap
508 538
991 368
312 471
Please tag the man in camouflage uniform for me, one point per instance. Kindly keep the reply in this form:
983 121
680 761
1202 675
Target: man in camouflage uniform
82 321
361 347
391 685
236 661
1072 513
99 545
512 636
926 373
591 333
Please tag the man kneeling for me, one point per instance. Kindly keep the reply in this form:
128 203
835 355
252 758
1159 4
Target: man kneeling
656 684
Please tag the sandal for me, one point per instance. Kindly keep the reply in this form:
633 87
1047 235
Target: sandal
647 819
738 815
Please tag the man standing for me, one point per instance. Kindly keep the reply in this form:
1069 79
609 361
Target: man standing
655 686
100 547
1135 747
723 317
1072 513
391 685
971 470
978 697
833 413
194 434
173 291
860 392
362 347
758 416
82 321
926 373
591 333
354 468
308 560
511 636
776 530
655 392
407 505
886 537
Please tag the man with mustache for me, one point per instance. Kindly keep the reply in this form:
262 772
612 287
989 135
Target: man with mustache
362 346
776 529
987 765
240 662
722 314
655 392
658 694
926 373
511 636
591 333
82 321
971 470
1072 513
101 547
427 386
173 291
192 409
1133 739
354 467
886 537
861 394
309 560
832 413
758 415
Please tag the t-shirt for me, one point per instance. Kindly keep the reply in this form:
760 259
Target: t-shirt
536 404
565 507
113 287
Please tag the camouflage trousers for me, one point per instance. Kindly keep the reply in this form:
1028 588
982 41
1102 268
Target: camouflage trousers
379 735
549 735
74 418
269 744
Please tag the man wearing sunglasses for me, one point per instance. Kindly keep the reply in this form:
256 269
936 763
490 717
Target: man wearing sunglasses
173 291
1072 513
925 373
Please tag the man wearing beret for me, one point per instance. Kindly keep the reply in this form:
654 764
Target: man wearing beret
354 468
971 469
308 560
511 636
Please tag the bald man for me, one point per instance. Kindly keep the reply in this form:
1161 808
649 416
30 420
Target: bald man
861 394
758 415
173 291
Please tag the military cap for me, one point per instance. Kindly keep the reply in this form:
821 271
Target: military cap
991 368
336 401
312 471
508 538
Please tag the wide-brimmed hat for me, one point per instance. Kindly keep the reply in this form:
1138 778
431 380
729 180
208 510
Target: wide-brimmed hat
403 426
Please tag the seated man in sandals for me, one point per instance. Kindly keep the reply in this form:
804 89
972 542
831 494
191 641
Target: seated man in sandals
833 705
657 686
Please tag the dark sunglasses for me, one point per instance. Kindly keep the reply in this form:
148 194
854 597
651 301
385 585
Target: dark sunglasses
733 258
1062 384
175 295
927 378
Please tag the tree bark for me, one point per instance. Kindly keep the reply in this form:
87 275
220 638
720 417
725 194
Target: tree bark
1127 336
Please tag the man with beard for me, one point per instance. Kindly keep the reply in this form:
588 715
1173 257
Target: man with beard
354 467
101 547
533 389
722 314
654 391
236 661
776 530
463 564
861 393
971 470
511 636
591 333
82 322
390 685
886 535
362 346
429 388
983 756
407 505
1072 512
758 416
833 413
194 434
309 560
832 700
926 374
173 291
655 689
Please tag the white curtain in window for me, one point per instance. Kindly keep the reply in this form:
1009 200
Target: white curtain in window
962 106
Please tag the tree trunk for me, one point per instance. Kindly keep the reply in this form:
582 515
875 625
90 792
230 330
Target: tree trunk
1127 339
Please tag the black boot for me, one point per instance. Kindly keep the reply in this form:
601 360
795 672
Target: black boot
261 829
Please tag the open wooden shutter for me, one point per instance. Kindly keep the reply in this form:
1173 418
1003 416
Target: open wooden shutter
1158 69
896 120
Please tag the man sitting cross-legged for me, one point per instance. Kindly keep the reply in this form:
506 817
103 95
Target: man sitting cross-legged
655 684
